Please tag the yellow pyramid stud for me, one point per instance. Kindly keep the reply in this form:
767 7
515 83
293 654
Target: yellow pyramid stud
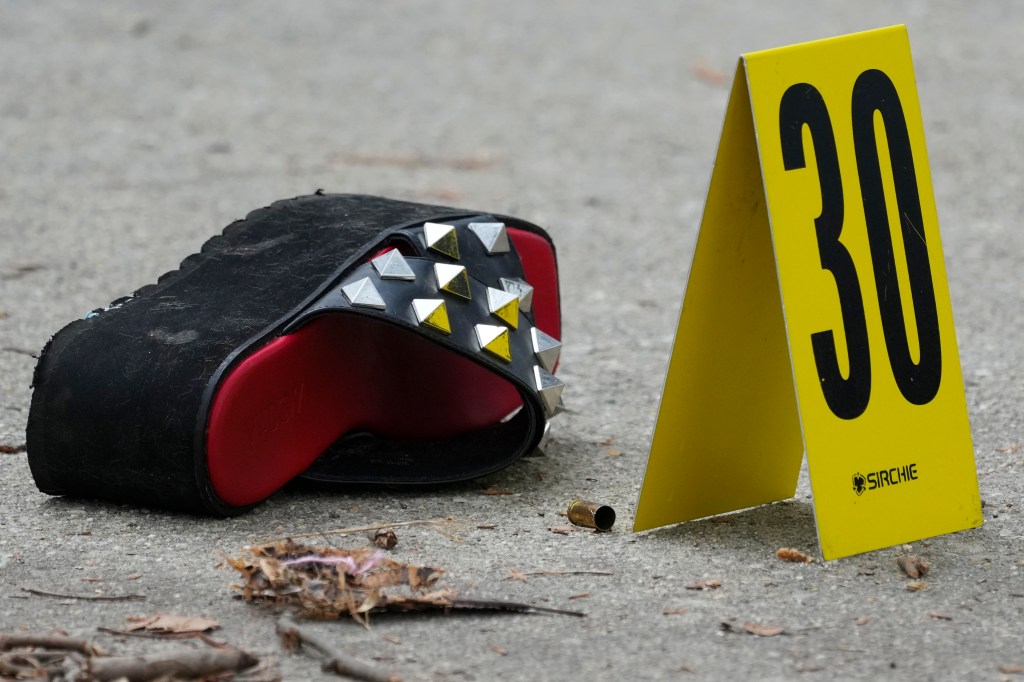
432 313
504 306
453 279
441 238
494 339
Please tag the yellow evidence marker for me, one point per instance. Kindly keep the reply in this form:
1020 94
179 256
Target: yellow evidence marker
817 315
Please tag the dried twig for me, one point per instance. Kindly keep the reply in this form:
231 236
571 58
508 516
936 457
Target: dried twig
8 642
56 657
463 163
85 597
357 529
337 662
570 573
753 629
454 602
30 665
189 664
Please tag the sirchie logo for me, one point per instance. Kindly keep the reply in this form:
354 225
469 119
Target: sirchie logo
884 478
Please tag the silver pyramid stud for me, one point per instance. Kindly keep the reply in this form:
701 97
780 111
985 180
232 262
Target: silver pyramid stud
504 306
392 265
545 439
432 313
559 408
453 279
521 289
546 348
492 235
442 238
363 294
549 388
494 339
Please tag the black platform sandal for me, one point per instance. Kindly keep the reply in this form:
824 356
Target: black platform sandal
416 343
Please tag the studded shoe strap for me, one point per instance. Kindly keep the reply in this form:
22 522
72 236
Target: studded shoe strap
464 290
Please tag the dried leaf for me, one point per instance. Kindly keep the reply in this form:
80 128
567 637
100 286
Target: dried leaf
940 616
914 567
516 575
499 650
581 595
706 584
612 452
385 538
703 72
917 586
492 491
448 194
753 629
863 621
166 623
1010 669
763 630
674 612
562 530
794 555
271 569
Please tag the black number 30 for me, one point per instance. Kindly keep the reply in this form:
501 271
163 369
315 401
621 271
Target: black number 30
802 105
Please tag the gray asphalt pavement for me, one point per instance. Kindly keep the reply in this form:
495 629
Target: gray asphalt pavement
131 132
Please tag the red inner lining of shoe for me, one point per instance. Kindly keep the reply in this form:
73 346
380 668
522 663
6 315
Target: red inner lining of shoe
281 407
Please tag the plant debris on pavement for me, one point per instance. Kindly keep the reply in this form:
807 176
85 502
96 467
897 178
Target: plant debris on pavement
329 583
163 623
794 555
914 567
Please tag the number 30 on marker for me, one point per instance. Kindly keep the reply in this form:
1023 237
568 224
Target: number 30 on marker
918 381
